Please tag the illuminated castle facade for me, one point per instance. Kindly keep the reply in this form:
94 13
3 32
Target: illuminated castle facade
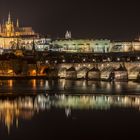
10 29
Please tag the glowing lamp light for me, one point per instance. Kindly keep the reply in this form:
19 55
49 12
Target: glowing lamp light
33 72
63 60
10 83
118 59
138 58
108 59
10 71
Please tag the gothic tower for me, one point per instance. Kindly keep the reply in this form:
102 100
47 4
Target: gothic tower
17 25
9 27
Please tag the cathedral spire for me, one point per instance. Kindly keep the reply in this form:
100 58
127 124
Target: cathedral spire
17 23
9 17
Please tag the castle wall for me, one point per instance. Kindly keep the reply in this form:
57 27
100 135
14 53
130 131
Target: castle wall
26 43
94 46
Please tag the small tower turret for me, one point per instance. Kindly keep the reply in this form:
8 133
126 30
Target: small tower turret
17 24
68 35
9 18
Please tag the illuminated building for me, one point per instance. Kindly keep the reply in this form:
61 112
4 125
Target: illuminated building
10 29
68 35
13 43
12 37
69 44
131 46
82 45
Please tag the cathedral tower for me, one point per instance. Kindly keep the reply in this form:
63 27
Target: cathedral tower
9 27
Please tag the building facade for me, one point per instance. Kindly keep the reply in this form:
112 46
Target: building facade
82 45
12 36
26 43
94 46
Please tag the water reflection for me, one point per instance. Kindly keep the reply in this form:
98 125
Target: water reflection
34 83
68 86
10 82
12 110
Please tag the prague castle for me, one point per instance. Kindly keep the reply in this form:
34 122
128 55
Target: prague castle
11 29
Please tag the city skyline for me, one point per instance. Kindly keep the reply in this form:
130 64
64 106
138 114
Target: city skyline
69 69
91 19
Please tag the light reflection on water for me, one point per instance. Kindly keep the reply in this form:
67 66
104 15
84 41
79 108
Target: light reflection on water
67 86
12 110
28 99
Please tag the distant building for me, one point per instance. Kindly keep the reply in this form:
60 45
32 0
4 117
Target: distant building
82 45
11 29
68 35
26 43
13 36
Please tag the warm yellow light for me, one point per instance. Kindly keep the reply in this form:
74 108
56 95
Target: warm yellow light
10 71
10 82
33 72
34 83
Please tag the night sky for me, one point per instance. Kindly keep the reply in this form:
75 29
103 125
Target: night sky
115 20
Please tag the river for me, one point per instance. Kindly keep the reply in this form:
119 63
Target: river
54 109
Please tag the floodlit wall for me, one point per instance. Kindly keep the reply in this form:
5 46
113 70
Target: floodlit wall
96 46
82 45
25 43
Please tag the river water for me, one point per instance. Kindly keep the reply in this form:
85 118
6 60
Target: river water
67 86
64 109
